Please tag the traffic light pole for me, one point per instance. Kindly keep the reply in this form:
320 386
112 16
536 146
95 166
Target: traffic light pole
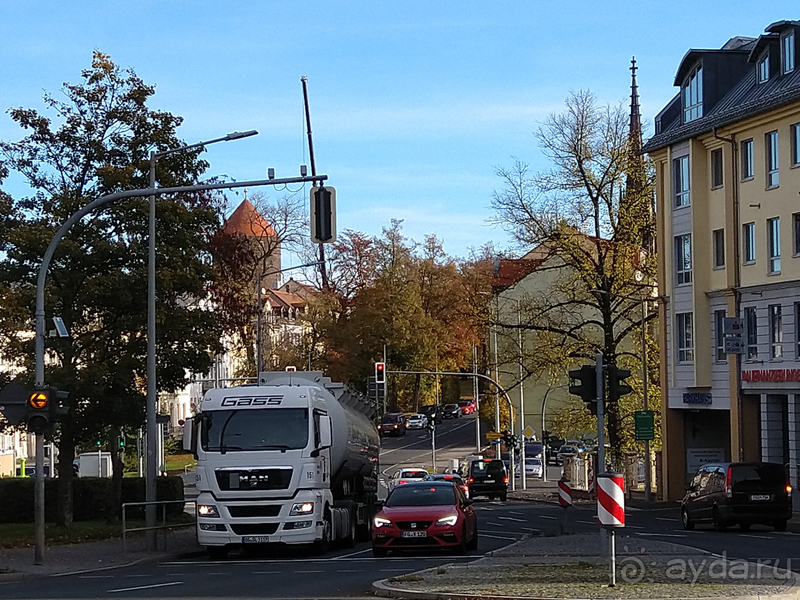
601 427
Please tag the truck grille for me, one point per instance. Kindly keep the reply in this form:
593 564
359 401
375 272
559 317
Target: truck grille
255 528
253 479
244 512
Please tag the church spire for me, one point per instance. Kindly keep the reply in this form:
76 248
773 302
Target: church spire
634 130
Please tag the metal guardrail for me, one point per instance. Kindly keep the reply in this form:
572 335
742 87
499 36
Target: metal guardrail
163 526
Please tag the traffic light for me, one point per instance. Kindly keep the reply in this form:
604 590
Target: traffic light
380 372
323 215
507 438
38 415
121 442
616 383
584 384
59 410
431 424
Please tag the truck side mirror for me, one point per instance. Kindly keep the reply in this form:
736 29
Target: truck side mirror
325 432
188 434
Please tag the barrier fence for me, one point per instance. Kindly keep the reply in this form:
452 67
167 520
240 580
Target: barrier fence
164 526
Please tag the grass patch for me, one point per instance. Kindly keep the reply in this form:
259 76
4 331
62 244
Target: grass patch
21 535
177 463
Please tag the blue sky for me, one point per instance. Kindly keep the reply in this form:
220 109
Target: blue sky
413 104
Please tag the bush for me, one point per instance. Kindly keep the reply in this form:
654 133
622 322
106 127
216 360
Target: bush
90 497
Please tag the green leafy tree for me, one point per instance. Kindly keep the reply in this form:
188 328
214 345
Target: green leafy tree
98 142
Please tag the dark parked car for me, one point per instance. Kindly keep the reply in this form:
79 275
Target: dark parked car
738 493
432 411
487 477
393 424
451 411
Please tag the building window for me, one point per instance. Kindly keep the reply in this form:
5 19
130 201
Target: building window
797 330
719 335
795 131
772 159
796 228
719 248
749 242
680 181
685 334
683 259
787 44
693 95
747 159
774 237
751 329
775 331
717 179
763 68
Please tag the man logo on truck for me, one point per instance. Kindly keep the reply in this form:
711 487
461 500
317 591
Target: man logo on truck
268 401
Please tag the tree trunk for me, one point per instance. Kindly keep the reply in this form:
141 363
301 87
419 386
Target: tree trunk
417 385
66 456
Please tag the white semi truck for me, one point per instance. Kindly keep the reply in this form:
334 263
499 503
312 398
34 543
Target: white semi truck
292 459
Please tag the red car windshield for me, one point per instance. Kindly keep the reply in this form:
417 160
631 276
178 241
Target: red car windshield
422 495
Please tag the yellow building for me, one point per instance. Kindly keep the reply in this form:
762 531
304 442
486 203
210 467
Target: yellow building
727 156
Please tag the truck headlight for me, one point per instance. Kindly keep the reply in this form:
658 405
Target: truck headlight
381 522
302 508
450 520
207 510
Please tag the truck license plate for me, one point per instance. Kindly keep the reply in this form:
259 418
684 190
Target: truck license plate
255 539
759 497
414 534
490 481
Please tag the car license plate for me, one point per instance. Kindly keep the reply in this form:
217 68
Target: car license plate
759 497
414 534
255 539
489 481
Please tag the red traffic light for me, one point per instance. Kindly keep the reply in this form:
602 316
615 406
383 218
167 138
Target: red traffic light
380 372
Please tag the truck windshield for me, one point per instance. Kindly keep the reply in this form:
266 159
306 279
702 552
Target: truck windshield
254 429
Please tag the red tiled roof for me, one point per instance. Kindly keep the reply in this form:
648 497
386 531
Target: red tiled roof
511 271
246 220
287 298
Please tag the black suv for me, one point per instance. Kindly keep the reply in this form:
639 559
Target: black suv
393 424
432 411
738 493
487 477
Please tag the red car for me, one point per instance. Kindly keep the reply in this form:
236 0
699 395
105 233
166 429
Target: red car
425 514
467 406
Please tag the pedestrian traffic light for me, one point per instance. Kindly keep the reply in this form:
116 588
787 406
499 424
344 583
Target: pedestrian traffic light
584 384
380 372
121 442
38 415
616 383
323 215
431 424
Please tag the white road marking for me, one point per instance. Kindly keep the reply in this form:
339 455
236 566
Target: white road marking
495 524
546 517
674 535
391 570
757 537
145 587
266 572
513 519
96 577
350 570
343 556
587 522
515 512
309 571
140 575
497 537
665 519
529 529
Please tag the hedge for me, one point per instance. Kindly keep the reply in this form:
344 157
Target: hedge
90 498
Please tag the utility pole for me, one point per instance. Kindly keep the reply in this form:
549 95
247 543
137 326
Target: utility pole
477 400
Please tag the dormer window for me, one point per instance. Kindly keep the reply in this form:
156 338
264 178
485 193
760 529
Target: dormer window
763 68
693 95
787 52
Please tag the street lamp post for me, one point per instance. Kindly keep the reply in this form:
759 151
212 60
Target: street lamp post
152 437
259 361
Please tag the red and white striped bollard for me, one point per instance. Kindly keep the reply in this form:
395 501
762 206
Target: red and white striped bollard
611 512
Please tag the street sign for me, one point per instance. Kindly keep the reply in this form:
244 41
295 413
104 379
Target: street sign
528 431
494 435
644 422
733 345
732 326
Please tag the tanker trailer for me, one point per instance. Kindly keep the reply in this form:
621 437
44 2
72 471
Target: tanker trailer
292 459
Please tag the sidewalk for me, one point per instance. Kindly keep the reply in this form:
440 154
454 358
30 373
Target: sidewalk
575 566
17 563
